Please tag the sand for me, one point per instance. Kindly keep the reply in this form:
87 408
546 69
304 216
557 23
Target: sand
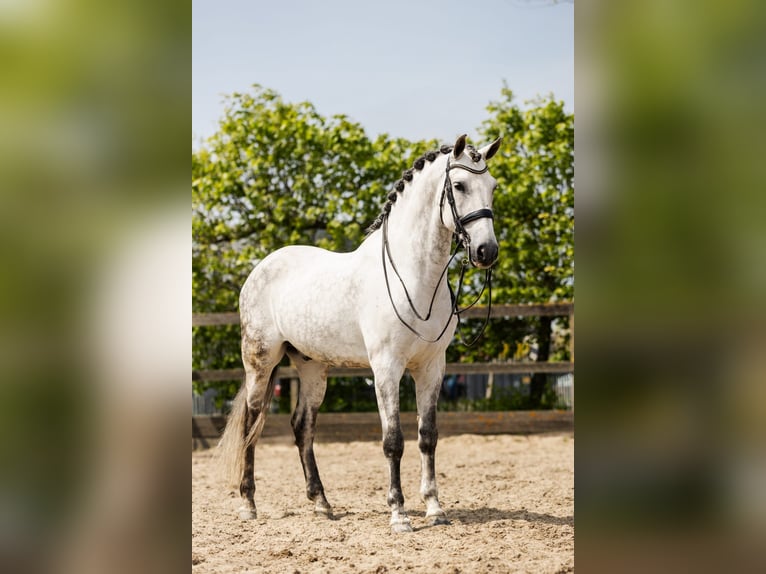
510 500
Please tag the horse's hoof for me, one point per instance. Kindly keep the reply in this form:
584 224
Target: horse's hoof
247 513
398 527
324 512
438 520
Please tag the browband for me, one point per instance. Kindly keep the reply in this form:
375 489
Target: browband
468 168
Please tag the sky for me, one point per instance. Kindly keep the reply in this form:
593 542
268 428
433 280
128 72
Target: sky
408 68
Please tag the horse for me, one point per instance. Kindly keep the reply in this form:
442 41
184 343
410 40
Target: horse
366 308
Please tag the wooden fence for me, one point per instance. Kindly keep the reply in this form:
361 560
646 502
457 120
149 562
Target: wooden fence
496 367
345 427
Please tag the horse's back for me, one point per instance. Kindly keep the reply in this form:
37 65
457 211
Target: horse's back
296 266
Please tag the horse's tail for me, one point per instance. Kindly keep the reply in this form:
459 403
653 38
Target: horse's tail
237 438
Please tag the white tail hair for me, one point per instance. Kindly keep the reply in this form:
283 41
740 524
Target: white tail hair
234 443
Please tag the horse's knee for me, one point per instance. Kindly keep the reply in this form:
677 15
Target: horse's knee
393 443
428 436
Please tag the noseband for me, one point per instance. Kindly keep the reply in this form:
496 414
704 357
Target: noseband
462 239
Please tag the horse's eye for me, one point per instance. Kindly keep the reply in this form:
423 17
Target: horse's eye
459 186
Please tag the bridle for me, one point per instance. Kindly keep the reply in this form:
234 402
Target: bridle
461 234
462 239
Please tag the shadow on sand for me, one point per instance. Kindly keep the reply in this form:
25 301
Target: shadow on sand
465 516
483 515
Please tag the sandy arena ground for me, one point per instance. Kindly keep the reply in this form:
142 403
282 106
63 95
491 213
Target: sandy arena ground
510 499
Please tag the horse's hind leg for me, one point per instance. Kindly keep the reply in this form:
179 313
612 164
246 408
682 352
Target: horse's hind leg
313 384
247 483
427 386
260 363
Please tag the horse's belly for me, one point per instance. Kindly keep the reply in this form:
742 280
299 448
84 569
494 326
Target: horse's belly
335 342
322 322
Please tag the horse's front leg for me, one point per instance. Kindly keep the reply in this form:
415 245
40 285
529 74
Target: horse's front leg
427 387
387 392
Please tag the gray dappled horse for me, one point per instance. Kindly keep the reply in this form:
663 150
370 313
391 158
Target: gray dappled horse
346 309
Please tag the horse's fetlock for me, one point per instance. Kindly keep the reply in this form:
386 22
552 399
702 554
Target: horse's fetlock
429 493
314 491
247 488
395 498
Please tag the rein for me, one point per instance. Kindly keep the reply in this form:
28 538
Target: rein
462 239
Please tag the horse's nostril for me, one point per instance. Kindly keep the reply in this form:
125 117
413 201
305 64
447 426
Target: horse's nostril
486 253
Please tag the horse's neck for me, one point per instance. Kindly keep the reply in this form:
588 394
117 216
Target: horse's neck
419 242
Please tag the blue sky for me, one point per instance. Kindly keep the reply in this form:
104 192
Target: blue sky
409 68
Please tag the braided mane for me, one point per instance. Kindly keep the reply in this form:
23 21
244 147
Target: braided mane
407 176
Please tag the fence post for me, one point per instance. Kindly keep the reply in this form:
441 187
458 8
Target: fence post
571 350
490 385
571 337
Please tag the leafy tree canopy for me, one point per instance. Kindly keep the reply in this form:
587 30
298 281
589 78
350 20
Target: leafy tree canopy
535 199
534 216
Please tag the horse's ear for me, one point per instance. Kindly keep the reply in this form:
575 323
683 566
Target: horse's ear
457 151
491 149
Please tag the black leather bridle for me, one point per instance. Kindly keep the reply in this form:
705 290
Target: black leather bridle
460 222
462 239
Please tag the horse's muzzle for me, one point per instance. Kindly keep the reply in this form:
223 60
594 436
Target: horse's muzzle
484 255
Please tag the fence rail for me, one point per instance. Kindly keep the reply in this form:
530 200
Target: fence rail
501 367
345 427
497 367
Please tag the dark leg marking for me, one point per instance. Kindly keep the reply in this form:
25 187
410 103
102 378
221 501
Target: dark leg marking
393 449
428 433
428 437
304 424
247 485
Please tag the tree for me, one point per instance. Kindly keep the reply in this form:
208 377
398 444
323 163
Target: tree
534 215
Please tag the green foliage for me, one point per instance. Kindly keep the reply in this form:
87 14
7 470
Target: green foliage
535 171
279 173
501 400
349 395
534 219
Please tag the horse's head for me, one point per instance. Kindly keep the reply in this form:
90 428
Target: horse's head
466 200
